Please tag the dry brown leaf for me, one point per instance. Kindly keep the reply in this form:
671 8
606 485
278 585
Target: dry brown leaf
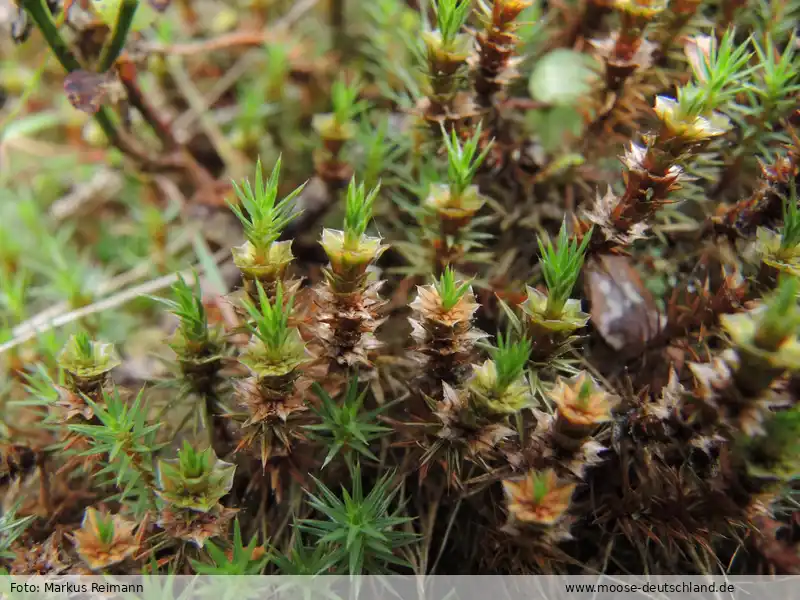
623 310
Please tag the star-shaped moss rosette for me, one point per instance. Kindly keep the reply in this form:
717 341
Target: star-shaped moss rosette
741 397
570 319
352 247
448 212
720 72
486 395
337 127
460 431
554 312
581 402
442 319
263 217
104 539
334 133
198 346
776 254
625 50
775 455
194 480
539 498
456 210
87 360
265 360
499 386
463 161
743 330
447 303
689 127
350 261
740 384
781 249
767 336
447 48
272 400
275 349
347 304
446 54
264 264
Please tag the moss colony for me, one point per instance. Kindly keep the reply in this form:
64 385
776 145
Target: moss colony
415 287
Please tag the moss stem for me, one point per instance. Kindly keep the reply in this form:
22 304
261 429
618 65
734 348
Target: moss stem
44 22
113 48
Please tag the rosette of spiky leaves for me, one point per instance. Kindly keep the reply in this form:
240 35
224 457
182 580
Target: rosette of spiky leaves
59 406
443 332
581 404
276 350
776 454
358 213
195 480
463 162
262 257
347 305
302 560
199 350
447 49
11 528
105 539
450 209
771 96
582 407
781 250
123 436
198 346
561 266
765 346
336 129
338 125
550 320
250 559
720 74
449 292
495 66
448 229
540 501
274 392
767 336
351 251
499 387
344 426
362 529
87 363
193 336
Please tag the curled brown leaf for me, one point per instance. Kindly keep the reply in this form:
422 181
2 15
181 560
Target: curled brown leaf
87 91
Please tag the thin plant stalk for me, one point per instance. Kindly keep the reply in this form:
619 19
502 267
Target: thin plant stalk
44 21
122 27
